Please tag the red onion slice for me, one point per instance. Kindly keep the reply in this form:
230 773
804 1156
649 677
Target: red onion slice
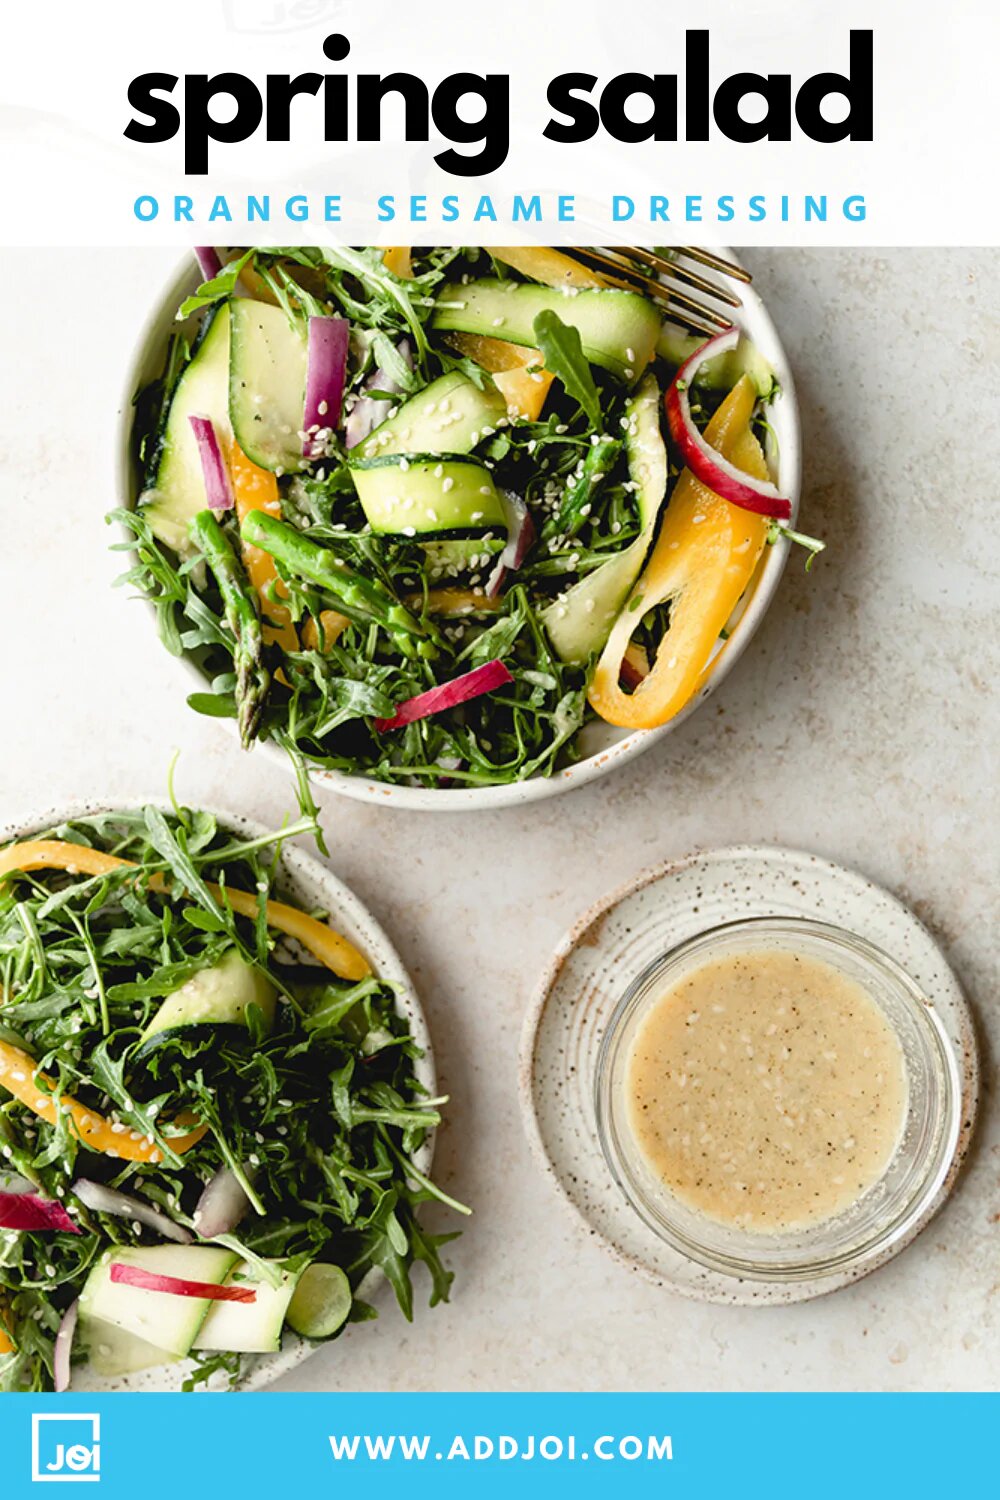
708 466
485 679
208 260
520 540
218 485
221 1206
105 1200
326 372
33 1214
366 414
63 1348
178 1286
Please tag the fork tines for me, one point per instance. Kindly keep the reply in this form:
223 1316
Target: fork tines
666 278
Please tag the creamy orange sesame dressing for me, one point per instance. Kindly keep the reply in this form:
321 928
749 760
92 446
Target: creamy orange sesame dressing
766 1090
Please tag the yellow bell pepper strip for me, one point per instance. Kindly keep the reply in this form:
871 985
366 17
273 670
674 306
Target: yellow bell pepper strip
18 1075
333 624
704 558
454 602
257 489
519 374
334 951
525 390
548 266
398 260
54 854
6 1343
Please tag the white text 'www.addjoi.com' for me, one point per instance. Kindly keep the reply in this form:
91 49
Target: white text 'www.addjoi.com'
478 1448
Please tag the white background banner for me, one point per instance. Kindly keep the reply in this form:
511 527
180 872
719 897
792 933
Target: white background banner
71 177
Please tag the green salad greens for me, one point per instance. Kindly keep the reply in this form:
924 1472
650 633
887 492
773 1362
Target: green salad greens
172 1053
367 478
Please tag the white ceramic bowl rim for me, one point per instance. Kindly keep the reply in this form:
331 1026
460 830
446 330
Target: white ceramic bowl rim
759 325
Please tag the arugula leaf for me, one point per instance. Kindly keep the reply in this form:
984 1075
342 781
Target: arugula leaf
213 705
565 359
169 845
217 289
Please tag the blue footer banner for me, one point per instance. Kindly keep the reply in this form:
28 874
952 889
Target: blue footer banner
143 1447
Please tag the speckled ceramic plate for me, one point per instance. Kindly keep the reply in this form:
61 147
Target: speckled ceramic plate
609 948
304 880
602 747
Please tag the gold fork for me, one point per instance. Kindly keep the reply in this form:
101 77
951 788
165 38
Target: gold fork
668 279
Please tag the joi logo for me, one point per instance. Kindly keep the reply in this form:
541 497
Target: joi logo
65 1447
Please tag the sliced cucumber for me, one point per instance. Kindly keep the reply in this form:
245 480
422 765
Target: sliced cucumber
427 493
112 1352
447 416
250 1327
158 1318
723 371
461 554
267 385
177 491
618 329
321 1302
219 996
580 621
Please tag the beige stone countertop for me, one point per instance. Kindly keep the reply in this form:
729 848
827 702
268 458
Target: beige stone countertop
862 723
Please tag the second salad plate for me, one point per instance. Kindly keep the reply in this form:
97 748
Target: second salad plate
223 1105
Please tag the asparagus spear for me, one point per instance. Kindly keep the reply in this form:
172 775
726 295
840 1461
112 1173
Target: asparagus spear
350 590
579 495
243 617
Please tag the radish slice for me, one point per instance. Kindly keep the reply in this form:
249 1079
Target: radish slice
520 540
708 466
485 679
218 486
221 1206
30 1212
177 1286
63 1348
326 372
629 674
208 260
366 414
105 1200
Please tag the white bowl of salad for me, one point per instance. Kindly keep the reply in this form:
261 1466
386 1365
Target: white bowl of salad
455 529
219 1105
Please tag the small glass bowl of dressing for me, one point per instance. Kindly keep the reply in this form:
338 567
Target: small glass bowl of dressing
778 1100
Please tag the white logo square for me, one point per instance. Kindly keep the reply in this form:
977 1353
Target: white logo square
65 1448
